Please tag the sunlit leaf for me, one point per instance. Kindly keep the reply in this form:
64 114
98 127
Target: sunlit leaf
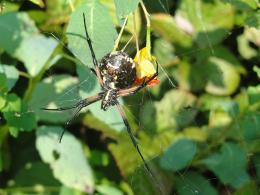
101 32
2 99
244 47
11 73
70 191
66 159
110 4
123 8
164 52
38 2
226 81
211 21
166 26
169 112
23 41
108 190
257 71
35 52
53 92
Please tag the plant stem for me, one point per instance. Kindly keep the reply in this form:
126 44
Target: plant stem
148 29
120 35
71 6
136 37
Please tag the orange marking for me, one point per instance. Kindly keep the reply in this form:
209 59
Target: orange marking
152 83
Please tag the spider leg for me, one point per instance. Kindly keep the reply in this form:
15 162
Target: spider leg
81 104
75 114
97 71
130 133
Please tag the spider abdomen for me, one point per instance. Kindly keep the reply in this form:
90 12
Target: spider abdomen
117 70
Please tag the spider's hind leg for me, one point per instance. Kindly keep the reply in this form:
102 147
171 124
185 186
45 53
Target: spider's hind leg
81 104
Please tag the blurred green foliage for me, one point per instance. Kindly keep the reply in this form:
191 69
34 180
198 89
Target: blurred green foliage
199 129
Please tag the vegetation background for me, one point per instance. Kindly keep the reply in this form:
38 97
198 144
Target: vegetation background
199 129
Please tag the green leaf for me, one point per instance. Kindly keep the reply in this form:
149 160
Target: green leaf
178 155
244 48
35 173
256 161
226 81
38 2
257 71
249 188
164 52
250 124
66 159
143 184
108 190
2 99
194 183
253 94
22 121
211 21
166 26
35 51
229 165
123 8
169 112
113 12
13 35
14 103
253 20
23 41
245 5
69 191
3 81
17 115
101 32
11 73
52 92
1 162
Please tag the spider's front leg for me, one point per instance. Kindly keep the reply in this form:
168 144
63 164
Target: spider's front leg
130 133
96 69
78 106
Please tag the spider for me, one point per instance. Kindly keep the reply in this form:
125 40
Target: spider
116 74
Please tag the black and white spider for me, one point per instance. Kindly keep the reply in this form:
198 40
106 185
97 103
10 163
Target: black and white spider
116 74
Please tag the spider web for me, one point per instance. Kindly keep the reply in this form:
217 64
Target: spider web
138 179
76 89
